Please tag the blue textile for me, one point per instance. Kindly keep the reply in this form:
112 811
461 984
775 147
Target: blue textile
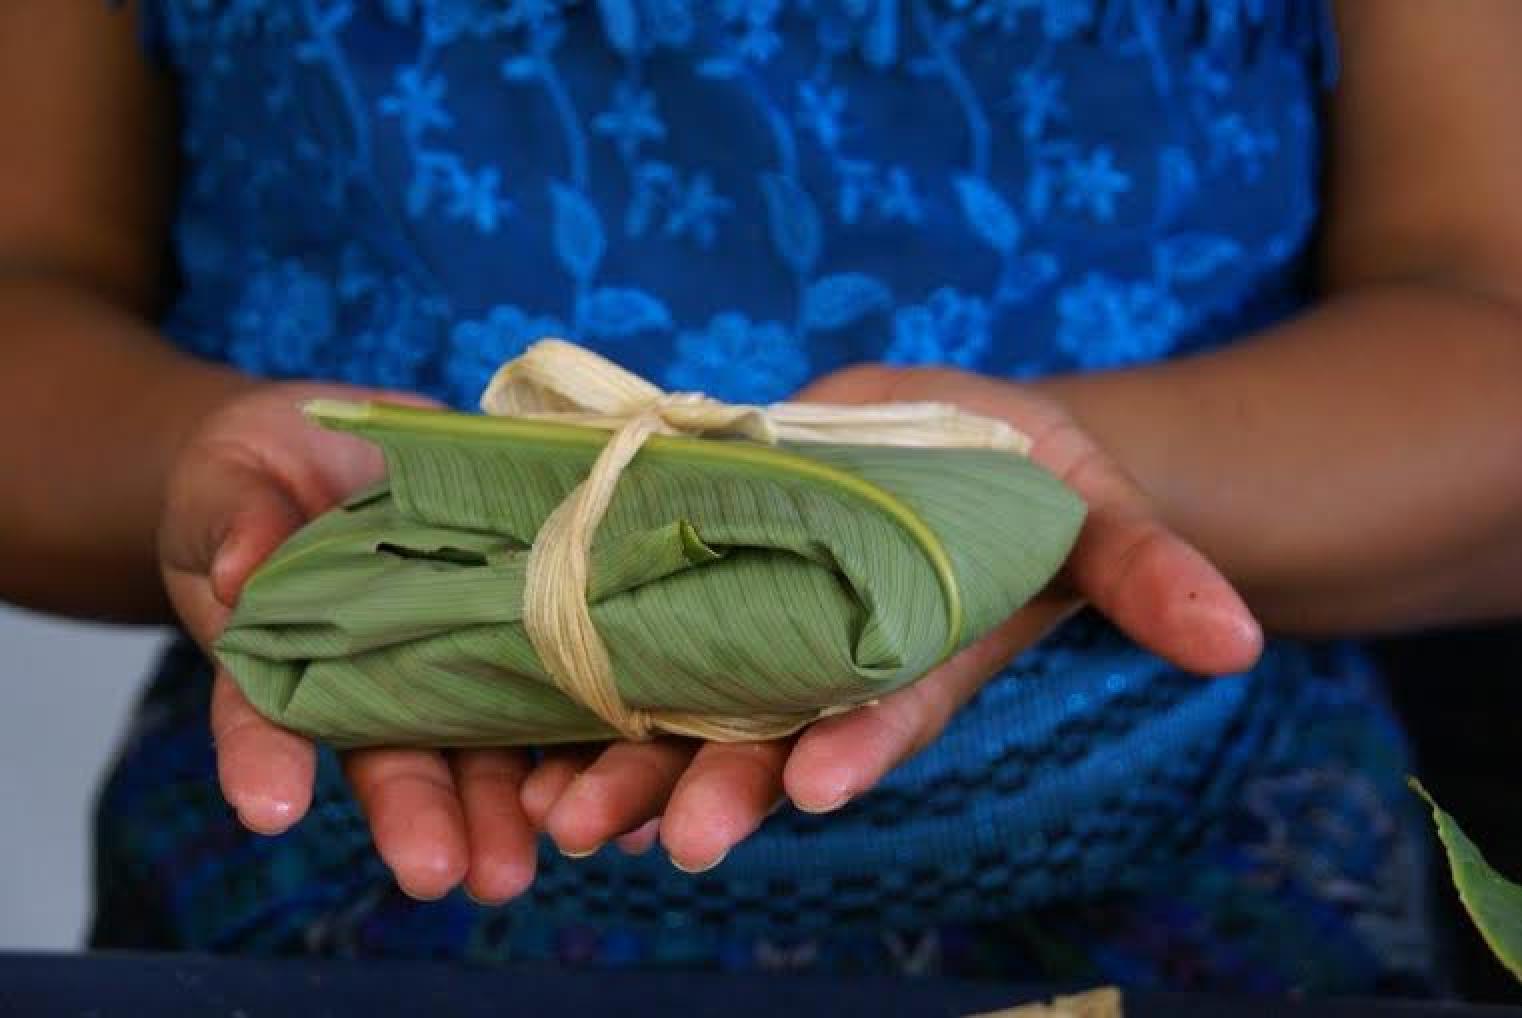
738 196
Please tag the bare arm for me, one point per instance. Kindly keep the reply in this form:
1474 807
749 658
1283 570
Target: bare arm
1360 468
93 404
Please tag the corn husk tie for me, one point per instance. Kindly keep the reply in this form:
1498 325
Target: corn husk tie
559 381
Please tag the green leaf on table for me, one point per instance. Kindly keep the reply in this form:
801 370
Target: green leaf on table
1493 902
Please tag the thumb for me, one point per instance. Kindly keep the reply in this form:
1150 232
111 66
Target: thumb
220 522
256 528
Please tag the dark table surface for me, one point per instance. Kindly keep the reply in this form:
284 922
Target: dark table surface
108 985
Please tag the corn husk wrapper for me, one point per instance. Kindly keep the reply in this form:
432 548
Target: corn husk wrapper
1104 1002
729 578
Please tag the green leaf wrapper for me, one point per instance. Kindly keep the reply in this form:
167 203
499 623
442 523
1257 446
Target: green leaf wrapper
728 579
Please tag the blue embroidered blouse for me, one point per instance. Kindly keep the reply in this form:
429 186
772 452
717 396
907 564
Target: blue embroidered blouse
734 197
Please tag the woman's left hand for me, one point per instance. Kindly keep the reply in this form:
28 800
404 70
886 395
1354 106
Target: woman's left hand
701 799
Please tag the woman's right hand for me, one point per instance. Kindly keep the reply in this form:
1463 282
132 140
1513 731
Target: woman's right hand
252 473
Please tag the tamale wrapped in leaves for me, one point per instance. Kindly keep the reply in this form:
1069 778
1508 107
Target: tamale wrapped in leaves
728 578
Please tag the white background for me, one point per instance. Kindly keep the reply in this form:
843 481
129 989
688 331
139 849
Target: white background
65 692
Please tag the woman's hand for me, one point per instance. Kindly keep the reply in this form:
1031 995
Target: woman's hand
253 472
1127 565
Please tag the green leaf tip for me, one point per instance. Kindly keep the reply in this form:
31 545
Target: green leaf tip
1493 902
324 410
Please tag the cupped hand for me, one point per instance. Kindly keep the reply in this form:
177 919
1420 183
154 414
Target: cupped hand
255 471
700 800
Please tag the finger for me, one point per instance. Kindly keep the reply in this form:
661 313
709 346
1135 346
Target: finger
220 525
265 771
840 757
721 799
1155 586
410 799
1166 596
256 530
641 839
316 466
500 838
625 787
551 777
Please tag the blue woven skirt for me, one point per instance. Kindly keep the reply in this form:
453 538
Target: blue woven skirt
1303 868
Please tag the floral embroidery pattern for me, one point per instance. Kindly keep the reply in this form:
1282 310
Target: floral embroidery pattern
734 197
735 359
947 328
283 317
478 347
599 198
1107 323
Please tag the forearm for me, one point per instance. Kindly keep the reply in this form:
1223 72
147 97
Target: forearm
95 405
1358 469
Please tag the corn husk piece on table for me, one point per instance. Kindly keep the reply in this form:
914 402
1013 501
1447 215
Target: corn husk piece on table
728 579
1104 1002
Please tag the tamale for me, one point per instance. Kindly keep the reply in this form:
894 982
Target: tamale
728 579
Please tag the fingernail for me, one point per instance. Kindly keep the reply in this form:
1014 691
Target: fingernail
418 897
477 901
1223 635
704 868
274 818
221 587
828 806
571 854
